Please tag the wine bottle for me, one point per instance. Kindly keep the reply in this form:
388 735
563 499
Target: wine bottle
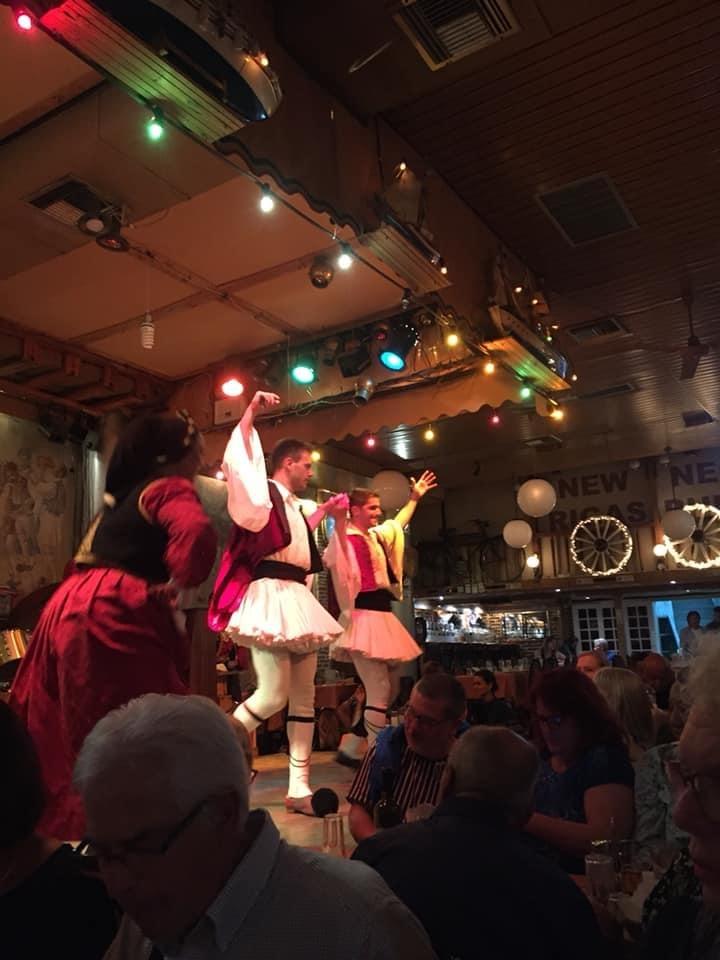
386 812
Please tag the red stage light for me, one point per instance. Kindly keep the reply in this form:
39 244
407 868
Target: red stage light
232 387
23 20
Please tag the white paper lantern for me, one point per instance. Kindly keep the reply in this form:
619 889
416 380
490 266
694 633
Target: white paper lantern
517 533
536 498
678 524
393 489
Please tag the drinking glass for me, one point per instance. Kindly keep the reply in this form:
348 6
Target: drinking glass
601 875
333 835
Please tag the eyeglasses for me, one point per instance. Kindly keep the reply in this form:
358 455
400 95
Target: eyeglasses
550 720
706 788
422 719
135 848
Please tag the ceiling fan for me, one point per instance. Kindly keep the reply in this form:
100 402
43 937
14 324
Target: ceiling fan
695 350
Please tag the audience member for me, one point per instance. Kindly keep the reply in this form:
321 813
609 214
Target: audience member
416 751
657 675
589 663
49 905
496 897
655 830
691 635
628 699
485 707
165 787
585 788
688 927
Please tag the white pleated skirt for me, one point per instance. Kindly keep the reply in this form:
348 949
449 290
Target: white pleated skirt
282 614
377 635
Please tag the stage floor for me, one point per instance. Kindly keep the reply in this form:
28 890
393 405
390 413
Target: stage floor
270 788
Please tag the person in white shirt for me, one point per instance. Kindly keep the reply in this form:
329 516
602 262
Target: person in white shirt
267 573
197 874
691 635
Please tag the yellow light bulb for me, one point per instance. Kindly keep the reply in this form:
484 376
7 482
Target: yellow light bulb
452 340
429 434
489 367
558 414
315 456
518 289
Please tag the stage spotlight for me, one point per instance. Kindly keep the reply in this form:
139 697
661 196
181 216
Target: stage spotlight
303 369
401 339
354 358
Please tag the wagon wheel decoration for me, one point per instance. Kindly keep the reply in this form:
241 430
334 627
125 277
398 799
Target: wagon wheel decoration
601 546
701 550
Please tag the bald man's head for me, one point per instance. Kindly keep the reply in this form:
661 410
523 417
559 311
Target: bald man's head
495 765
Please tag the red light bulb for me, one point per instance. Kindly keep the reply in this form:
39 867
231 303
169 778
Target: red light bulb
495 420
232 387
23 20
370 442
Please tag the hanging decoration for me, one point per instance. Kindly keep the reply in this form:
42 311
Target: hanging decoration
701 549
393 489
517 534
536 498
678 524
601 546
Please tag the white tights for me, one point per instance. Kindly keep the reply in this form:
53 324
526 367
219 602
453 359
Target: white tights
285 678
381 679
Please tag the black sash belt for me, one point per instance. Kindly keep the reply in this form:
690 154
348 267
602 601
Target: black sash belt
374 600
276 570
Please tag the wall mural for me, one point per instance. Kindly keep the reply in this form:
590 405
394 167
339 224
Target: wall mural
37 501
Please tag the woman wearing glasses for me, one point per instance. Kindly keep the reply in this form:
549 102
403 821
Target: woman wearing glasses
585 788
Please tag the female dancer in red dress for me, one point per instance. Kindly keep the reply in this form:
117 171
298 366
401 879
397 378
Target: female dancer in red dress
110 632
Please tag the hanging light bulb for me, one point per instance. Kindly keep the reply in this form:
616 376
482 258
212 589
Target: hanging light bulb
443 268
345 257
557 413
315 456
495 419
660 550
429 434
533 561
525 392
155 126
23 20
147 332
405 299
574 378
518 288
370 441
267 201
452 339
263 60
489 367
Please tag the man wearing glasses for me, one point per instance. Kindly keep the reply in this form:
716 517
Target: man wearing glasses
197 874
416 752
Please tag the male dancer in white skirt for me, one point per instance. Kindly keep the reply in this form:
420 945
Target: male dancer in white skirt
272 554
365 558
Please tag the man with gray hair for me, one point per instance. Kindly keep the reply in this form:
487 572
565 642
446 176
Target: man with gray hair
469 874
165 787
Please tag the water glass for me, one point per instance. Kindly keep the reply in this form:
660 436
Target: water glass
333 835
601 876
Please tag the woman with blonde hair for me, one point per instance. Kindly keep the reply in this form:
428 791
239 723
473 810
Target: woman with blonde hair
629 702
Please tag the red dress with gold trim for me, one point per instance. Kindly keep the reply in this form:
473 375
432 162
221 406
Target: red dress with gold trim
110 633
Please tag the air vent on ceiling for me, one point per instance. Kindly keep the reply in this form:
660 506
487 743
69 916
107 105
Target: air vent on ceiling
594 329
617 390
68 200
696 418
549 442
587 210
446 30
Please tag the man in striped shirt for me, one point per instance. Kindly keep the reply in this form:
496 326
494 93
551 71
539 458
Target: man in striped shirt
416 752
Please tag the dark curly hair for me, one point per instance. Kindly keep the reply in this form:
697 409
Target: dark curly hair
571 694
